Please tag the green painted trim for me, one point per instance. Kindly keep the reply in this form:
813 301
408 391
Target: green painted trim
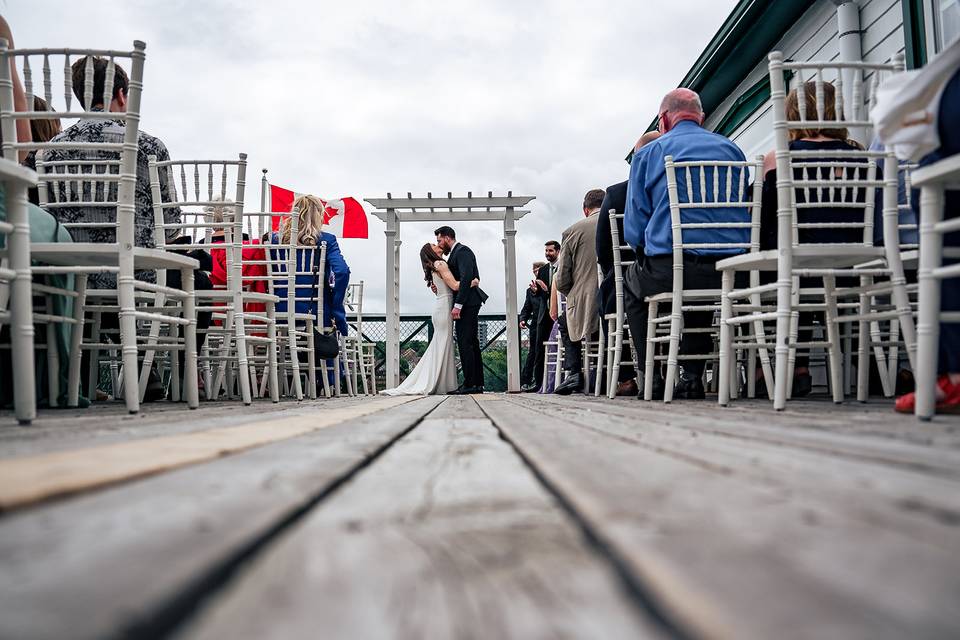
914 33
751 101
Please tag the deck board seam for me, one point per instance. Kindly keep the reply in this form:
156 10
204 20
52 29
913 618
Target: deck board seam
171 616
640 594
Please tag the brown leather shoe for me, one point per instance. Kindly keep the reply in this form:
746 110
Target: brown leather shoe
628 388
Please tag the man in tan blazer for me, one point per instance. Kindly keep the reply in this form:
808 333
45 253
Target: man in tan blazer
577 280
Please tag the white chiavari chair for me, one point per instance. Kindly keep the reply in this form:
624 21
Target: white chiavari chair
101 177
819 179
210 199
357 353
719 193
933 181
617 329
16 299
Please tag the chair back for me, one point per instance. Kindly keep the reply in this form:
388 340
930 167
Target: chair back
713 196
616 220
843 184
353 303
102 175
207 197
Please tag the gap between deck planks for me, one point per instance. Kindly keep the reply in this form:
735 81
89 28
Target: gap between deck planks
29 480
132 560
448 534
713 538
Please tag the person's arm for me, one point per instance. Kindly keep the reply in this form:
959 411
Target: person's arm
526 312
19 97
564 278
468 271
443 270
554 302
636 215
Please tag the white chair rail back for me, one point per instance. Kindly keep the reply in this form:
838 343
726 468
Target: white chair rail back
103 174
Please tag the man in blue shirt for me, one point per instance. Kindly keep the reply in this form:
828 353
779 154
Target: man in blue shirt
647 228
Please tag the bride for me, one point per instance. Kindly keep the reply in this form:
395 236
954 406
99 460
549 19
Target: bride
436 373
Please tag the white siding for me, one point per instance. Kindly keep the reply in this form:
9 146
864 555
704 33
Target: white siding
814 37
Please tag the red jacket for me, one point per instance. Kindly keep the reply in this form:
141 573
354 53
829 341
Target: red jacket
254 275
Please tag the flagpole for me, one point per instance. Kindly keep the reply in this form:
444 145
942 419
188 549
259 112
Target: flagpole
265 204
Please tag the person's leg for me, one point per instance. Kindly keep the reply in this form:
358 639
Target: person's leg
653 277
698 276
543 335
572 350
526 375
464 348
469 315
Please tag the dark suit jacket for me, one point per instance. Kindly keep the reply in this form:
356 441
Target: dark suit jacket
543 313
463 266
531 308
615 199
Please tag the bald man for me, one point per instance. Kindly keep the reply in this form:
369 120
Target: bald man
647 229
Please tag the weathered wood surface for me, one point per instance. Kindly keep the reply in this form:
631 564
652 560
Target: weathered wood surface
106 423
742 524
131 560
448 535
31 479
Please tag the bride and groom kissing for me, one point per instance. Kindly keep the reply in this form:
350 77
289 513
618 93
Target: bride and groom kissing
456 283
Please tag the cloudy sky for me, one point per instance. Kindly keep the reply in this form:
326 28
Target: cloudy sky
361 98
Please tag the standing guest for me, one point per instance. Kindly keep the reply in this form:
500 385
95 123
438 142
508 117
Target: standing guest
616 200
336 275
577 280
528 320
543 321
647 228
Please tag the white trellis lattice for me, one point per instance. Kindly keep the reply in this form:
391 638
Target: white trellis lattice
441 210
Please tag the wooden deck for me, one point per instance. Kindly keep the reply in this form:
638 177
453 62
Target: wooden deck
481 517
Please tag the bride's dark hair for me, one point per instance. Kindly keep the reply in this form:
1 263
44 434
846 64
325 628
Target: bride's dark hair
427 257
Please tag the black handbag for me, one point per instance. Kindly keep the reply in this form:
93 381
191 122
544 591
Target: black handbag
326 346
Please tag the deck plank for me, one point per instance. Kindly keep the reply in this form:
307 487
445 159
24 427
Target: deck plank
130 558
713 526
447 535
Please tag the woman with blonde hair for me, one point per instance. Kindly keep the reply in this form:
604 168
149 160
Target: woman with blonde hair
310 211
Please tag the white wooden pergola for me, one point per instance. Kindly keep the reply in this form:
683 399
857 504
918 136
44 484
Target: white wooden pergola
440 211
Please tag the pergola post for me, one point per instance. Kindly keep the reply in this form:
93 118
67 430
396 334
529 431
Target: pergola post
510 283
392 280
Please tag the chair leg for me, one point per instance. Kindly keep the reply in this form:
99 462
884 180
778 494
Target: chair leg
76 340
311 367
863 350
833 337
676 327
928 325
650 357
601 362
93 369
726 340
272 353
21 306
782 349
128 336
190 341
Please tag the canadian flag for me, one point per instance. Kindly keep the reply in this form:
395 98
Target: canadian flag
343 217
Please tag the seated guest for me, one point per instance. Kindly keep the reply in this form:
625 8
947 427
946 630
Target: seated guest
576 279
528 320
616 200
948 365
41 130
647 228
254 275
336 275
834 139
543 321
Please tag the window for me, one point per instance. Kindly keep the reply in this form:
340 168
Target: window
946 18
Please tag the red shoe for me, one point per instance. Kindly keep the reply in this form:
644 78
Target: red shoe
948 403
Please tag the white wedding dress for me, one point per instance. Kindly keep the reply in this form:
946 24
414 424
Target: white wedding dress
436 373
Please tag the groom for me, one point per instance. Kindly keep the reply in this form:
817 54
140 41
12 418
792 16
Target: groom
466 307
